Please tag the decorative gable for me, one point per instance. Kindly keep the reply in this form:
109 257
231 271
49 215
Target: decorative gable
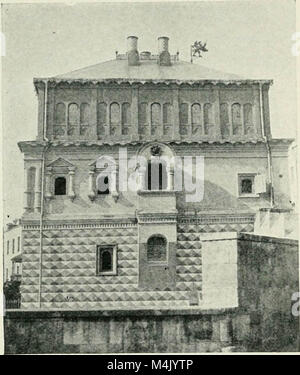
60 162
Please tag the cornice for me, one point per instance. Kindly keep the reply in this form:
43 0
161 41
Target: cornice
119 81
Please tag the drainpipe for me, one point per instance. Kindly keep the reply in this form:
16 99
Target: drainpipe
269 156
42 190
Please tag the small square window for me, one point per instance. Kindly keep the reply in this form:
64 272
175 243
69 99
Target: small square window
246 185
106 260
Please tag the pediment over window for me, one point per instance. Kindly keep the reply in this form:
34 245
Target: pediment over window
103 162
60 162
61 165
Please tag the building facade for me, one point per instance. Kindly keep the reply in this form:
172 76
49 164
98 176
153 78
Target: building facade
141 165
12 251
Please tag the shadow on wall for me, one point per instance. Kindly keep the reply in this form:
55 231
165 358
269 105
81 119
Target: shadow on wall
215 197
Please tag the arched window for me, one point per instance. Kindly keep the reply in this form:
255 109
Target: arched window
84 114
60 119
60 186
183 118
101 118
101 113
208 120
143 113
156 177
31 185
115 113
224 119
125 118
106 260
157 249
236 119
84 117
196 114
155 114
183 113
73 118
125 113
73 114
60 113
167 113
103 185
248 119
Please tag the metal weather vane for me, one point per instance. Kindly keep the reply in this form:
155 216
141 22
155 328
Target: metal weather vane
197 48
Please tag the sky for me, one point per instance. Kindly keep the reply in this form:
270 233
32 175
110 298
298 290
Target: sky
249 38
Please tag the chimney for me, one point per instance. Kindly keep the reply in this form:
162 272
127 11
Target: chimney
132 52
164 57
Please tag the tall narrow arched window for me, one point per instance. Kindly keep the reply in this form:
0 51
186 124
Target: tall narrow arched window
157 249
155 114
106 260
101 118
236 119
208 119
73 118
167 118
248 119
126 118
59 119
224 120
143 119
183 118
84 117
196 114
196 118
115 113
60 114
30 185
126 113
156 119
183 113
167 113
143 113
115 118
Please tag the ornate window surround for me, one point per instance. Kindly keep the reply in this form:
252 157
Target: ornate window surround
113 271
60 168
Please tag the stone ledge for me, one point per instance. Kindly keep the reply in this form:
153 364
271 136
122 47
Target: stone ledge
242 236
56 314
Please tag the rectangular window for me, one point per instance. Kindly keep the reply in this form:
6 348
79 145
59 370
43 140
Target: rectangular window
7 247
106 260
246 185
18 270
18 243
13 246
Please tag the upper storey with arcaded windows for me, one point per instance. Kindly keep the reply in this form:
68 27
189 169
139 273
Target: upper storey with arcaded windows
143 97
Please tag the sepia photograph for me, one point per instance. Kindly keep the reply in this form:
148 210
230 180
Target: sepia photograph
150 178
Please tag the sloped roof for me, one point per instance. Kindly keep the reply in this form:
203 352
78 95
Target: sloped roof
147 70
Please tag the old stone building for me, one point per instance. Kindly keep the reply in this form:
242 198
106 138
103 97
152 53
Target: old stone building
90 241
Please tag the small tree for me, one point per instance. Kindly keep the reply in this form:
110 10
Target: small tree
11 290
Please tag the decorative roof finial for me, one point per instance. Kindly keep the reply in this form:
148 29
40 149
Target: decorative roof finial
197 48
